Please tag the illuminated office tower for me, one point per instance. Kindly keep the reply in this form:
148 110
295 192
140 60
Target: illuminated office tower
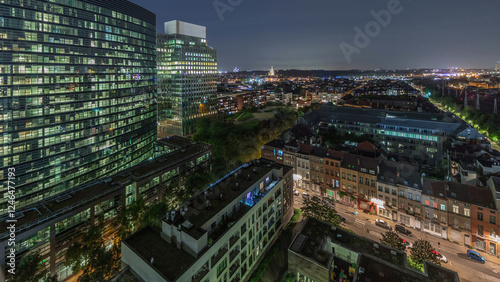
77 93
187 78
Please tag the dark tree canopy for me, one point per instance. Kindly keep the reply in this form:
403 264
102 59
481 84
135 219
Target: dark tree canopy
30 268
91 255
321 211
422 250
392 239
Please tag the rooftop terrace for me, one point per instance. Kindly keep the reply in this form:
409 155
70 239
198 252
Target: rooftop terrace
208 203
147 243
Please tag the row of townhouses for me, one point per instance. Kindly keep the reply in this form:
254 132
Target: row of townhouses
464 213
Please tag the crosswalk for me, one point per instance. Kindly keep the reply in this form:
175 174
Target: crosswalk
359 222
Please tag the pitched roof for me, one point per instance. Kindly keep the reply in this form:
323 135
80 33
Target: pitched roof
366 146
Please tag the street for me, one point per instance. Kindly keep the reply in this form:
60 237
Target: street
467 269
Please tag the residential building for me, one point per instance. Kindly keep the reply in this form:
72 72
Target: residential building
323 253
187 78
221 233
435 203
388 189
399 188
409 135
52 225
484 220
274 151
78 93
332 172
303 164
358 179
493 183
409 195
459 213
317 160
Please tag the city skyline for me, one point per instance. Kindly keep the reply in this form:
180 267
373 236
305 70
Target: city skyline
244 32
127 155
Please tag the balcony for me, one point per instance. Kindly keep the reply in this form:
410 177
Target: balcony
243 256
200 275
234 254
233 240
216 258
234 268
244 270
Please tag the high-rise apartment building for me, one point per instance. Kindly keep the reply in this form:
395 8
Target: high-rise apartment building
187 78
77 93
220 234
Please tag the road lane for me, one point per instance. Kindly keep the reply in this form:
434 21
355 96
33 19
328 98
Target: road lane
467 269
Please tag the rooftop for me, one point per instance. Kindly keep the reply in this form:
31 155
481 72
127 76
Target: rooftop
431 121
357 162
231 187
378 262
467 193
175 141
86 193
314 232
147 243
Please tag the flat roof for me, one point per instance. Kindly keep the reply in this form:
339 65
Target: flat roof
374 260
67 201
170 261
198 214
315 231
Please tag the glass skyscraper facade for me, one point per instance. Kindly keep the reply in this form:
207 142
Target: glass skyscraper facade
77 93
187 79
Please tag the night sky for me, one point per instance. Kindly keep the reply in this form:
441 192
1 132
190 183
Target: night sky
300 34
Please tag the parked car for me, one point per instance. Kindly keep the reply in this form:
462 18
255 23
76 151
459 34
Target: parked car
295 192
475 255
406 243
305 195
329 202
441 257
402 229
383 224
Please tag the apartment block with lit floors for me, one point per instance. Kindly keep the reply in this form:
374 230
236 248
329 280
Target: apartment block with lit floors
220 234
187 78
77 93
52 225
332 171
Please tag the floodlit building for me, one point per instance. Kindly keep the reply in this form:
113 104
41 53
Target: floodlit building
418 136
77 93
52 225
221 234
187 78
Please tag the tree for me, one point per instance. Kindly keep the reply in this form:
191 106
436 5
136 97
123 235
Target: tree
91 255
321 211
30 269
392 239
422 250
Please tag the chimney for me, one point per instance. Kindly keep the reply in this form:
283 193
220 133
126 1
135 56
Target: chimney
179 238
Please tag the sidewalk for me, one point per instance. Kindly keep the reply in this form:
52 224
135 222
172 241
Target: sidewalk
444 243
